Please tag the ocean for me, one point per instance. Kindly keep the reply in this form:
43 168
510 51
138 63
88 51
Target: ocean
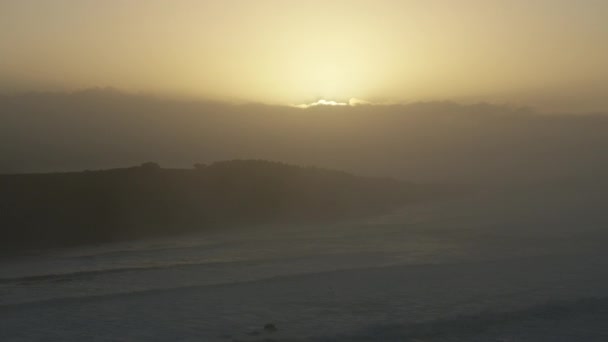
509 265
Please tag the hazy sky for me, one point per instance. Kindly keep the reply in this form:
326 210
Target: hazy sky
551 53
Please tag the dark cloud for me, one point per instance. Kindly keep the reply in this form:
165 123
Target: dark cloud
436 141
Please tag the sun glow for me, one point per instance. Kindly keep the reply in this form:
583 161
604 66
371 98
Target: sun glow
322 102
282 52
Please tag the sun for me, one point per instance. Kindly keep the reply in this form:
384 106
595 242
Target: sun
322 102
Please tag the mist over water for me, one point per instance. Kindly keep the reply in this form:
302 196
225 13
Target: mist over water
514 264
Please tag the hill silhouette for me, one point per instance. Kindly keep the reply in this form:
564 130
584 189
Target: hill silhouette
424 142
66 209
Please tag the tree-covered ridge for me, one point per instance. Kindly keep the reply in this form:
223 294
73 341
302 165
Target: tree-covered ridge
61 209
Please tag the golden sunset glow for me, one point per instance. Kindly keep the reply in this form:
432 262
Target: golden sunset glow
290 52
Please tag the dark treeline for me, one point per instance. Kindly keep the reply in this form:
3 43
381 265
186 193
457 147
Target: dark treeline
64 209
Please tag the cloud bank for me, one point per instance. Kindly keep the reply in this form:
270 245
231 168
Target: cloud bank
435 141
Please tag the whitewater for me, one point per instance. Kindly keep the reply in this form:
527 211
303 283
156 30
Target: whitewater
507 265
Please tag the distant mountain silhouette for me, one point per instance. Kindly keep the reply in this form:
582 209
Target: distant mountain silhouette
429 142
65 209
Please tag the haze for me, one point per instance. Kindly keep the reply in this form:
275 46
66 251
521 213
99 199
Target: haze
548 53
304 171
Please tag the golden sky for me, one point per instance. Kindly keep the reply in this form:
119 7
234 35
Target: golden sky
542 52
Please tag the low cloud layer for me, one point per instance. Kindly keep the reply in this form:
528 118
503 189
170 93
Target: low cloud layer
437 141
